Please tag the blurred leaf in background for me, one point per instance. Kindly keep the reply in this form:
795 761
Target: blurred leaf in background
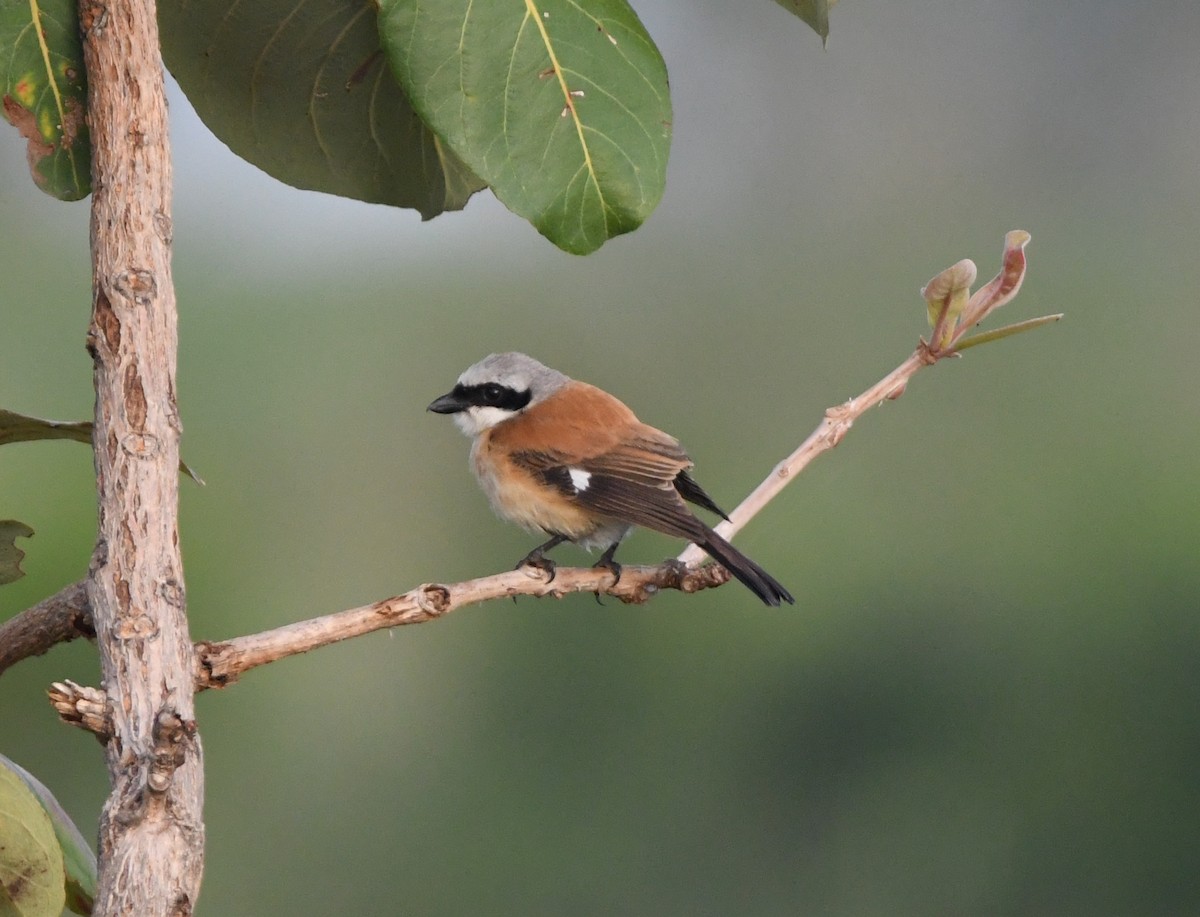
79 862
31 863
10 554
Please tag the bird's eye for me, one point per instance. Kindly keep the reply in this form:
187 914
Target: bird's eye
493 393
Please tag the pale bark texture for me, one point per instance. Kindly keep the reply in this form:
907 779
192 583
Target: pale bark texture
151 841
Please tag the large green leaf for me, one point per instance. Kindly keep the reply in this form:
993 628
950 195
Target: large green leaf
31 864
302 91
561 106
44 92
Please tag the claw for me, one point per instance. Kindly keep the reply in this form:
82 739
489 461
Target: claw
538 561
606 562
610 565
537 557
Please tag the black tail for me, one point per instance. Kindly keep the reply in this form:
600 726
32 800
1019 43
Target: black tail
746 571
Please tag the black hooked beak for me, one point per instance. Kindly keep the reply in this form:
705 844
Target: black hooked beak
449 403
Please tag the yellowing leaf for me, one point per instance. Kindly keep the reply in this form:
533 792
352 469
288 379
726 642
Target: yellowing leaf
44 92
31 864
78 858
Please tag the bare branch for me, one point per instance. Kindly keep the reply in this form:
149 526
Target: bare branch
61 618
829 432
220 664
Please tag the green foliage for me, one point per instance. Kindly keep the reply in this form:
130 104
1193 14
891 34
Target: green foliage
997 334
44 92
19 428
954 310
10 554
305 94
32 879
814 12
78 859
562 108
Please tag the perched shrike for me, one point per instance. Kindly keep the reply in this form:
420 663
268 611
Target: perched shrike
568 459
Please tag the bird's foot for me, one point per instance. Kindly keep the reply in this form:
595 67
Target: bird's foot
538 561
606 562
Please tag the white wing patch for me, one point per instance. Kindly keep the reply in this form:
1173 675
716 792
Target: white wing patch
579 479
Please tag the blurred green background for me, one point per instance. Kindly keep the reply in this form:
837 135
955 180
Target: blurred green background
986 700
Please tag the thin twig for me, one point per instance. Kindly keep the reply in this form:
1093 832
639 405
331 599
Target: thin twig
220 664
949 329
829 432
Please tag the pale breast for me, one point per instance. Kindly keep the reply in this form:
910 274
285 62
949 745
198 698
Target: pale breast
515 495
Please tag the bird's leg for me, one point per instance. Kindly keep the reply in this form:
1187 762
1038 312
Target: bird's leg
606 562
537 557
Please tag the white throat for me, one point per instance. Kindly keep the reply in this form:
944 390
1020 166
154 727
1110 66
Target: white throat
474 420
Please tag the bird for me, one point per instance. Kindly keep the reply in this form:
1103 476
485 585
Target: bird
566 458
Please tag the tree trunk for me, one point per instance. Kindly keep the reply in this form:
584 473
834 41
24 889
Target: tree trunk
151 829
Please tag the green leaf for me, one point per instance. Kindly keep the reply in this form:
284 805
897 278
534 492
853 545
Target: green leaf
562 107
32 879
813 12
19 428
996 334
947 296
78 858
302 91
43 87
10 555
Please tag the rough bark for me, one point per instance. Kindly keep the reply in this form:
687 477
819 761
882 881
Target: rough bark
151 841
63 617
